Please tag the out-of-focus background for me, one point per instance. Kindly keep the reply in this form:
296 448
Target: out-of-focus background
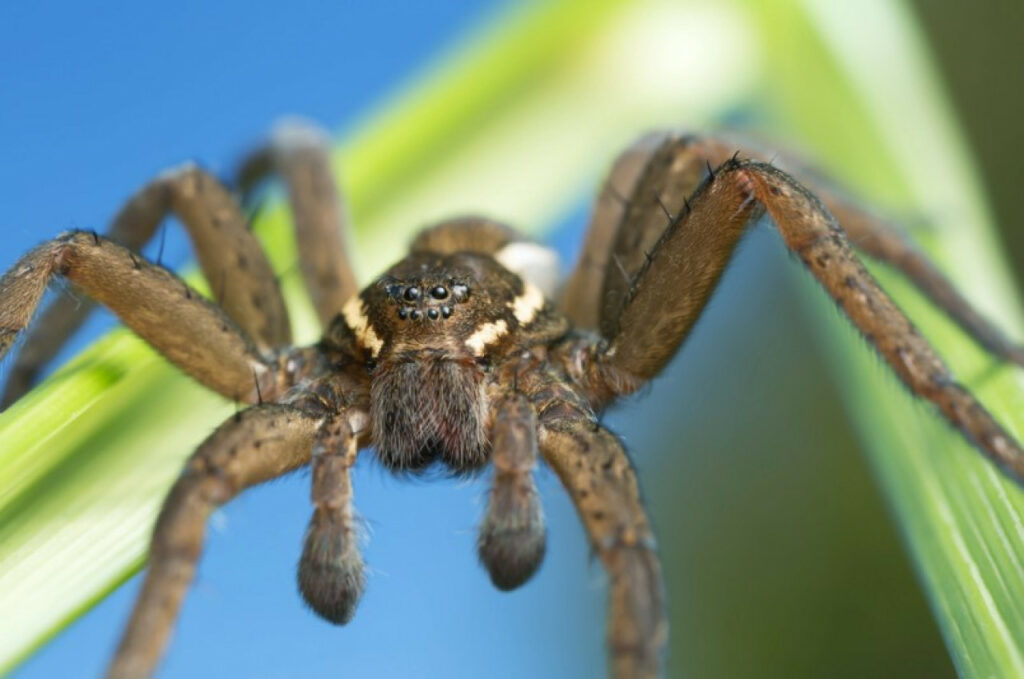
779 557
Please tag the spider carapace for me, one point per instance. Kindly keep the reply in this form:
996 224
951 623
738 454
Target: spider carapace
463 354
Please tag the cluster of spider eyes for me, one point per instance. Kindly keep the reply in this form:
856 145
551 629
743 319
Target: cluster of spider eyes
414 294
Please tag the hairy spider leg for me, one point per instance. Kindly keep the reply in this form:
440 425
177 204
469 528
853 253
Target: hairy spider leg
597 474
300 153
580 300
691 255
512 537
230 257
616 246
878 238
253 446
191 332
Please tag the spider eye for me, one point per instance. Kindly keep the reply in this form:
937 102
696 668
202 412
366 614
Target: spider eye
460 292
439 292
416 314
412 293
446 311
403 313
432 314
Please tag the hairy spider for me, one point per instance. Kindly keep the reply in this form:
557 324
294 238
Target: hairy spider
462 354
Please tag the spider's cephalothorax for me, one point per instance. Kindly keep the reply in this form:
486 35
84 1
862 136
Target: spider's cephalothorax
463 354
432 329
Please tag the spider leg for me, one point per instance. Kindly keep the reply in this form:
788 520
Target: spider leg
665 296
596 472
254 446
878 239
663 170
512 536
230 256
188 330
581 299
300 153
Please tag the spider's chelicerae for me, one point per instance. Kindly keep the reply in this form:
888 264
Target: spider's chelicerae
462 354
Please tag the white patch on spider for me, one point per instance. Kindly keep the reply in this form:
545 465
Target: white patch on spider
526 305
533 263
354 312
486 334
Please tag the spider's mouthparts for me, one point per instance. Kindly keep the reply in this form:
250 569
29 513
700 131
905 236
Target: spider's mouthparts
427 411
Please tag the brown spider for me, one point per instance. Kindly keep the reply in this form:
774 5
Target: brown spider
462 355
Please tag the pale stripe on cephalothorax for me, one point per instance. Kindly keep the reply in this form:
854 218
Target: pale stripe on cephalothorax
525 306
486 334
354 312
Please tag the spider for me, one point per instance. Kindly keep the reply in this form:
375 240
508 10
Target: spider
464 354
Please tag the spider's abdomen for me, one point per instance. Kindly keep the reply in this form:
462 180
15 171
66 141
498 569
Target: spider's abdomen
427 411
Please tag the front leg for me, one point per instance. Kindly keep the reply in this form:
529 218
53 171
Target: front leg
231 258
597 474
652 182
655 307
257 445
189 331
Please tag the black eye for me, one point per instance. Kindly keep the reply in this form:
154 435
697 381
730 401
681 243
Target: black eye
412 293
439 292
416 314
432 314
403 313
446 311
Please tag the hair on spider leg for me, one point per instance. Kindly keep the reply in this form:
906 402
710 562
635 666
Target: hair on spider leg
664 208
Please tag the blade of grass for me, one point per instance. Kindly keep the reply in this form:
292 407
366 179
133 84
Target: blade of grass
867 73
515 124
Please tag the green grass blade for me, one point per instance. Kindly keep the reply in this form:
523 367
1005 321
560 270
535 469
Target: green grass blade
867 73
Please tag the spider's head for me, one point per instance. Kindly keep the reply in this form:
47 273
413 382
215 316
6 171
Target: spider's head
431 327
453 307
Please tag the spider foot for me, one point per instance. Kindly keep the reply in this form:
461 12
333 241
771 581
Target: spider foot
512 537
331 576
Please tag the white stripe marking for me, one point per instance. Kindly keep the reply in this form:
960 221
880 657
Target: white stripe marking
354 312
526 305
486 334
